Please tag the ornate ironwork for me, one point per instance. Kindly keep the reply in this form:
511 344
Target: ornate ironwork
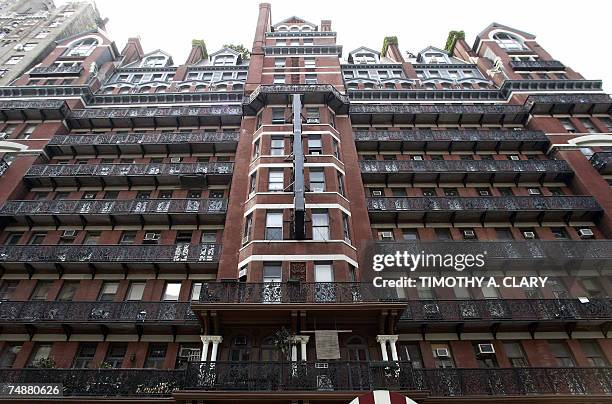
144 138
468 135
205 252
602 160
436 109
153 169
509 203
110 207
80 312
56 70
155 112
532 65
3 166
415 166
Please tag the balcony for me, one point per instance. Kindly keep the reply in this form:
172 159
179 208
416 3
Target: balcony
602 161
3 166
146 317
347 377
90 258
101 175
155 116
106 212
569 256
594 103
463 171
56 71
425 140
281 94
536 65
143 143
483 209
11 110
414 114
510 312
102 382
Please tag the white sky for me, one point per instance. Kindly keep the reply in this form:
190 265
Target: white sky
576 33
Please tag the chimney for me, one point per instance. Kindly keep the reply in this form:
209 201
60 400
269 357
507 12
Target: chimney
264 21
326 25
132 51
198 52
391 49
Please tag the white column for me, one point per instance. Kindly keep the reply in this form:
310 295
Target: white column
293 352
382 340
205 343
216 340
302 340
392 340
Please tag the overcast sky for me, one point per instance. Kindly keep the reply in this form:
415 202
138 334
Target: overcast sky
577 34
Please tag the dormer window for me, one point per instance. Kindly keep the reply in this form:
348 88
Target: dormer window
224 60
364 58
508 41
83 47
154 61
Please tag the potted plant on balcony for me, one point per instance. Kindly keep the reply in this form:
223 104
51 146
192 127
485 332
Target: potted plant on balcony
44 363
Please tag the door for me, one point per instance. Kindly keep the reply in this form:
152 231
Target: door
271 288
324 283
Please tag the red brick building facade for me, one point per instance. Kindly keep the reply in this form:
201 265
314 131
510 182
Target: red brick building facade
166 237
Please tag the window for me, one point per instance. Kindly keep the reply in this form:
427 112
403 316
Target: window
172 291
208 236
346 227
561 354
278 115
276 180
41 291
593 353
252 183
425 292
508 41
279 79
42 34
314 144
85 355
277 146
256 146
196 290
428 191
443 234
308 41
224 60
503 234
340 184
183 237
13 60
279 62
91 238
313 116
443 356
68 291
320 225
462 292
568 125
37 238
593 287
411 353
115 354
483 191
83 47
156 356
608 122
385 235
41 351
135 291
128 237
108 291
311 79
9 353
490 292
451 192
274 226
309 62
26 133
7 288
559 233
248 225
317 180
515 354
586 122
485 360
410 234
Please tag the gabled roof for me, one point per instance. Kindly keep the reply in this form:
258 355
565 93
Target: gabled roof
364 48
156 52
224 50
496 25
438 50
294 20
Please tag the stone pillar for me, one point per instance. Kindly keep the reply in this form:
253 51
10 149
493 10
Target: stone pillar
302 340
205 344
392 339
206 340
216 340
382 340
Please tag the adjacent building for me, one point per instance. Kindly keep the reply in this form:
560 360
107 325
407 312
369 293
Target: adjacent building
202 232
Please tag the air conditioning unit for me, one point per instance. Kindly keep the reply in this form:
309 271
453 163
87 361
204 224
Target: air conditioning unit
245 240
3 135
175 160
484 192
240 340
151 237
386 234
442 353
585 233
529 235
534 191
19 47
486 349
417 158
321 365
313 120
377 193
469 234
68 234
515 158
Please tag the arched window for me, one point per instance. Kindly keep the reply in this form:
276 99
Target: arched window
145 89
161 89
240 351
154 61
390 86
368 86
294 28
124 90
184 89
200 87
353 86
108 90
282 29
83 47
269 351
224 60
306 28
221 87
508 41
237 87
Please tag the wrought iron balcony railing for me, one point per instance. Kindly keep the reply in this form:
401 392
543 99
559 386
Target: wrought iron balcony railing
161 112
68 253
144 143
602 161
596 309
436 109
113 207
484 208
465 170
535 65
102 382
366 376
424 139
320 377
589 103
294 292
33 110
56 70
3 166
135 174
311 93
38 312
